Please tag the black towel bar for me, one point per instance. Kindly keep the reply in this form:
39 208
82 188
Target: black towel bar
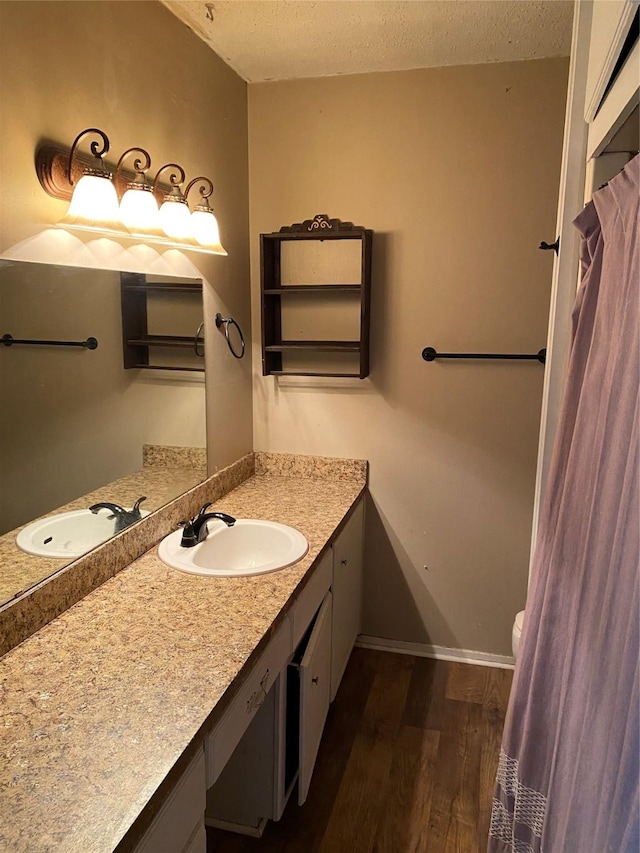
9 341
429 354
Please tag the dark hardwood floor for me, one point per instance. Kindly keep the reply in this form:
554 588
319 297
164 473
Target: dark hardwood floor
406 764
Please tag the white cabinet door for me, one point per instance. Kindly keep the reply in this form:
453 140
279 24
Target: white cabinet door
315 687
180 822
347 594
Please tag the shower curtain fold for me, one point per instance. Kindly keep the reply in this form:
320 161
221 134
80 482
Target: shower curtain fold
568 774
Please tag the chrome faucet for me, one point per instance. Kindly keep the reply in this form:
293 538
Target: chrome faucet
124 517
195 530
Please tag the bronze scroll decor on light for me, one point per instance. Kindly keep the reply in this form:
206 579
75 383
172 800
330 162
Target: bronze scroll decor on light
123 203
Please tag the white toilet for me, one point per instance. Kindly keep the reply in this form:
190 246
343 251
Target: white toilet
517 632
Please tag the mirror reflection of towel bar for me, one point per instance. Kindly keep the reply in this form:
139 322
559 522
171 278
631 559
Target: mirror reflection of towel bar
430 354
197 339
226 322
90 343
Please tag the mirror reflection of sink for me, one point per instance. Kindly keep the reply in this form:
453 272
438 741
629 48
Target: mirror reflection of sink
67 534
250 547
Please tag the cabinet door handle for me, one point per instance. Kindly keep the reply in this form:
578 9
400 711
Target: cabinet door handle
315 680
344 562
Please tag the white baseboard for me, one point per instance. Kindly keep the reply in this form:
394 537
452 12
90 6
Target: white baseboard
438 652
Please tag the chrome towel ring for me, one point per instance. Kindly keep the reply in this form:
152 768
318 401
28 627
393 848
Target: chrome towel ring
226 322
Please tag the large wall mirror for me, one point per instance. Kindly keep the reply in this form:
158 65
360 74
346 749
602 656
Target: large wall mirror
77 426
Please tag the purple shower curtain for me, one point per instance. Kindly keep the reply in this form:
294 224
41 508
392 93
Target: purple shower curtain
568 774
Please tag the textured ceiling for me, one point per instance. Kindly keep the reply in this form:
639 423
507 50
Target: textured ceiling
284 39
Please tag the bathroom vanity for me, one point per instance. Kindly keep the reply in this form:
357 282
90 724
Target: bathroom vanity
269 737
138 711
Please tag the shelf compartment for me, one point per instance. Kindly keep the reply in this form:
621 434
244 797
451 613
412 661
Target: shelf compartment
318 358
158 304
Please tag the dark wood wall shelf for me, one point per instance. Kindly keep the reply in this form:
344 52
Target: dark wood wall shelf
315 346
136 339
273 292
313 288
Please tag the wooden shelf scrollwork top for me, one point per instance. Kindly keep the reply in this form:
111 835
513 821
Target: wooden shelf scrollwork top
318 224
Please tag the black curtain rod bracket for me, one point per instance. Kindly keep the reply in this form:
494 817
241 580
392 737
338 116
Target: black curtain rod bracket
430 354
547 247
9 340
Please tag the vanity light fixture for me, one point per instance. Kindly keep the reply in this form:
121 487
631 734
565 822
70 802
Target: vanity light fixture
174 215
204 225
95 192
94 202
138 208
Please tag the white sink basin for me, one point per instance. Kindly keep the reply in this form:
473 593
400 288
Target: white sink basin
67 534
250 547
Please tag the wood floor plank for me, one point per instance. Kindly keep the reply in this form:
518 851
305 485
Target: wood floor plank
455 811
404 825
485 685
492 723
360 800
426 699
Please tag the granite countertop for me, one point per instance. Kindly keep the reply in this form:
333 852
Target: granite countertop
100 704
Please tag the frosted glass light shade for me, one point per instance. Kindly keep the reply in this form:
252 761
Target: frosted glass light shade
94 203
204 228
138 210
175 219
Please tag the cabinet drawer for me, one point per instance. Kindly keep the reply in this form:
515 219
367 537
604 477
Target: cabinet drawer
222 741
178 818
310 599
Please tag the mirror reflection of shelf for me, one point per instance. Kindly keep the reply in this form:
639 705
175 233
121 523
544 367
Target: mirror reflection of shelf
315 281
143 304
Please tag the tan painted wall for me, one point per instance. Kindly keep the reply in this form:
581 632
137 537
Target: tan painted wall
131 69
457 172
